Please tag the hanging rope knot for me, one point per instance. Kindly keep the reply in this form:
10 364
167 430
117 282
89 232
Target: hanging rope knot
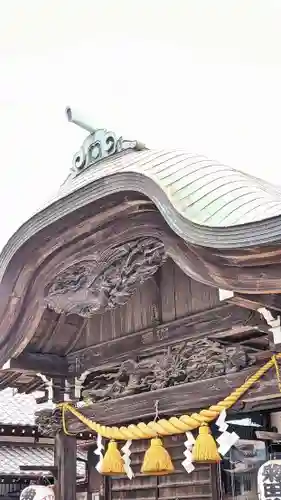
157 460
204 429
205 448
112 463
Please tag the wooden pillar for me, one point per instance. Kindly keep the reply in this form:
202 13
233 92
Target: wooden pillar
94 477
65 460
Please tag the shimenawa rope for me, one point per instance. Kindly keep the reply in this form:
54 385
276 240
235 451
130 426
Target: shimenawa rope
173 425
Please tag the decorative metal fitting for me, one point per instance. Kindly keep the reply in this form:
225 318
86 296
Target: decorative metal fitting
100 144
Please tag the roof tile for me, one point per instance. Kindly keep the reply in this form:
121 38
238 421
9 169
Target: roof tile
18 409
12 457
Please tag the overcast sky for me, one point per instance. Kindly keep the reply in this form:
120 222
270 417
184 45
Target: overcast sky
204 75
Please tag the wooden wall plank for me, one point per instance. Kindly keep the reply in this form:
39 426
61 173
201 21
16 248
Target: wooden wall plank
167 284
140 312
180 484
181 295
203 296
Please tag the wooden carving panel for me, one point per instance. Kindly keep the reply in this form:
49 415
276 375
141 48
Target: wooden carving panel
107 280
186 362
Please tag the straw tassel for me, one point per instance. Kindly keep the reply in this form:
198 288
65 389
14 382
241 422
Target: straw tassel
205 448
157 461
112 463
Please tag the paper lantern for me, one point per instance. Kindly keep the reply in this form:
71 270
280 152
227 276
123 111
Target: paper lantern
37 492
269 480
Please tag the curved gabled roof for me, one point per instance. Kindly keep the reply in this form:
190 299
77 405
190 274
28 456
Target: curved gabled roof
220 226
202 191
204 202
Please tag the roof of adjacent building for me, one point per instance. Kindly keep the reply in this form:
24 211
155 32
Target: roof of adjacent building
16 408
19 409
12 457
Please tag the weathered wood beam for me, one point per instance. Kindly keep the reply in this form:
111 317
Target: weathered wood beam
33 362
265 395
254 302
8 380
267 399
172 401
269 305
224 318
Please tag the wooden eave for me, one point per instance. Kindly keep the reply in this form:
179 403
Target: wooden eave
226 323
109 205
